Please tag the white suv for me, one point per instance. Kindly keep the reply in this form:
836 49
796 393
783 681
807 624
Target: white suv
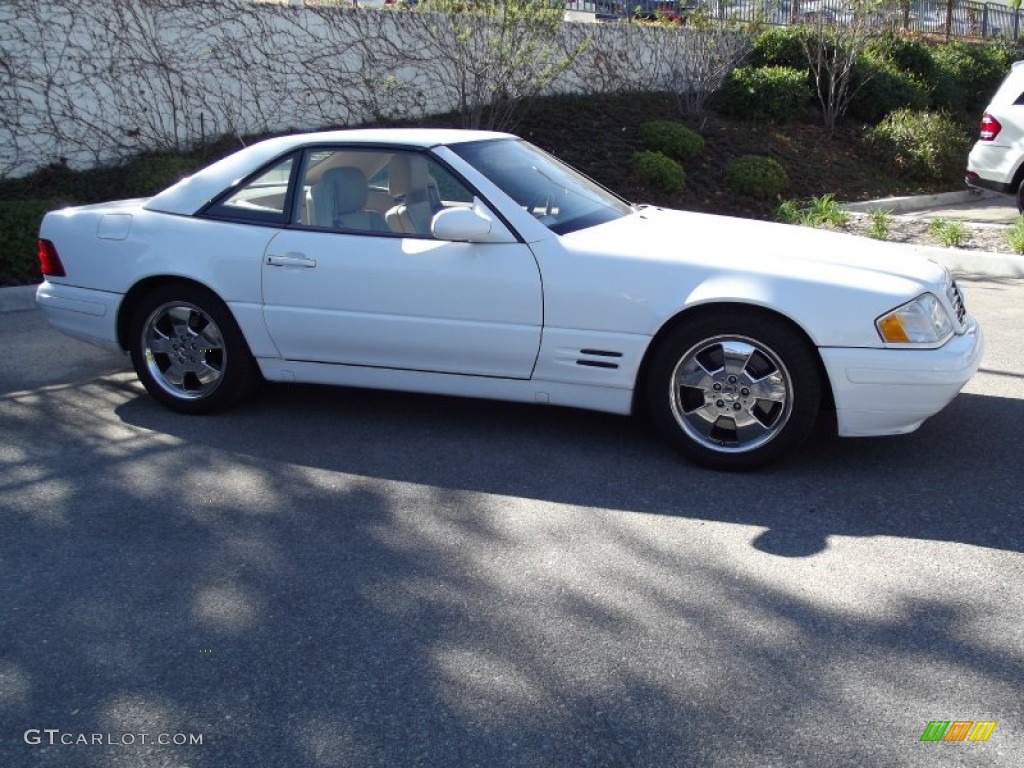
997 160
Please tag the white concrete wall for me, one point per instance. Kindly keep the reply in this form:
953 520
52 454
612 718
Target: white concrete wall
88 82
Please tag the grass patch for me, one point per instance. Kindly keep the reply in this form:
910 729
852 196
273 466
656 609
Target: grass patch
825 210
1015 235
951 234
881 221
816 212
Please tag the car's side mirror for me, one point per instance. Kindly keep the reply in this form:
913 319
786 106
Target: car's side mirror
460 225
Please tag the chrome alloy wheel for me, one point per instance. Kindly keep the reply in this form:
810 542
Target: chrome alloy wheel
731 394
185 350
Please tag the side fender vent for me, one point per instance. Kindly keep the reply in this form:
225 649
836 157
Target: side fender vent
598 358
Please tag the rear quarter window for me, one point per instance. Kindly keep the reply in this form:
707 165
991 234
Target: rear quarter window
262 199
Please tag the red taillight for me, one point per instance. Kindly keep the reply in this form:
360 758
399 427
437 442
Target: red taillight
990 127
49 261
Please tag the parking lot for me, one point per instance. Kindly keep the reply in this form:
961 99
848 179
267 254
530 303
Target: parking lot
332 577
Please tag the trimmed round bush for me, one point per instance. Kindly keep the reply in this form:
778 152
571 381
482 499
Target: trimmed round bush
672 139
780 47
884 87
757 176
923 145
659 171
772 93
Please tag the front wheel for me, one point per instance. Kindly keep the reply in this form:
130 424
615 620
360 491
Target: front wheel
1020 198
188 351
734 390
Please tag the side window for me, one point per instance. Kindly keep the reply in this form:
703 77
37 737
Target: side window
336 193
261 199
372 191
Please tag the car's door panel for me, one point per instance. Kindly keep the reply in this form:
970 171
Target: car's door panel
403 302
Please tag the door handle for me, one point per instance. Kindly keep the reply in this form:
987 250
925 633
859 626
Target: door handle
291 259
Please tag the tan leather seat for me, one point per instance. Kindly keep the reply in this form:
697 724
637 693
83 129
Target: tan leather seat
339 202
409 181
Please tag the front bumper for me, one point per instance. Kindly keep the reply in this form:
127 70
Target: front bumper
82 313
892 391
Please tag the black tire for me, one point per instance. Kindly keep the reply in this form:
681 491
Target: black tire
1020 198
734 390
188 351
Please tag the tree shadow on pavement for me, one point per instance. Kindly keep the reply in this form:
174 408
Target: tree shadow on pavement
930 484
346 578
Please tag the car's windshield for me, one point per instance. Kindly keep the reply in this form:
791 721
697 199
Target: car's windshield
561 198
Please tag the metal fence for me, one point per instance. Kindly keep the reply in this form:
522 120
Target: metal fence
962 18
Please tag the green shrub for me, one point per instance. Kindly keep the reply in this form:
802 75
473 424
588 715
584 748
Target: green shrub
967 74
19 228
948 90
883 87
672 139
780 47
764 93
907 54
1005 52
660 171
58 182
756 176
149 174
922 145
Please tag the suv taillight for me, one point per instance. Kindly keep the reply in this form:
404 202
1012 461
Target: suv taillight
49 261
990 127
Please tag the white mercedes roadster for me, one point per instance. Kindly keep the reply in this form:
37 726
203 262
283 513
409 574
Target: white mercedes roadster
474 264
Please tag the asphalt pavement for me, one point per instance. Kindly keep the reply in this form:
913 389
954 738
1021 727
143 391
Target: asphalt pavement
335 577
968 205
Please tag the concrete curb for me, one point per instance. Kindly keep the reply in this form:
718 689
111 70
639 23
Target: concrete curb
916 215
920 202
980 263
18 298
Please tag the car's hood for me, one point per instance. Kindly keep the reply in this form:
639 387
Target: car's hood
755 246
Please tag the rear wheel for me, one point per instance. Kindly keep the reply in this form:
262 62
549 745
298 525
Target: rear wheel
734 390
188 351
1020 197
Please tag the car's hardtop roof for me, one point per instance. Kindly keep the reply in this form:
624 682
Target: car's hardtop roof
192 193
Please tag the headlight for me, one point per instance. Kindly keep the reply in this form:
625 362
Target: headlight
921 321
